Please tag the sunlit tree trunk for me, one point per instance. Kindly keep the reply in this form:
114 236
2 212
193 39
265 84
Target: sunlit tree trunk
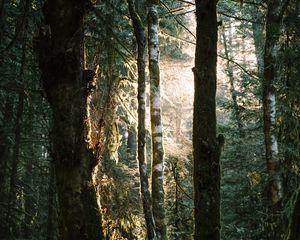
156 123
273 26
139 32
206 147
65 83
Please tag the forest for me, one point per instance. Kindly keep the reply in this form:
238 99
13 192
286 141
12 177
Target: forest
150 119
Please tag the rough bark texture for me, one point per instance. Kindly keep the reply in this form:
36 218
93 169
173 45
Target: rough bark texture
205 144
273 22
139 32
156 123
60 56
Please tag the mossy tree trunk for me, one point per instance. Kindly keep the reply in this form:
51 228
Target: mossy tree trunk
156 123
273 30
60 52
140 36
206 147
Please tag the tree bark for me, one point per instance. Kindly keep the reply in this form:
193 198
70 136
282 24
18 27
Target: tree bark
206 146
65 83
273 21
139 32
156 123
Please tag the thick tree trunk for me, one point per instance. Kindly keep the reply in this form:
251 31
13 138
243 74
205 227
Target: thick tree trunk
139 32
205 144
156 124
60 55
273 21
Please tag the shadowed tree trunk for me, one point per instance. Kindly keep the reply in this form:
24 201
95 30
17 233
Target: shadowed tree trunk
273 27
206 146
60 53
156 123
139 32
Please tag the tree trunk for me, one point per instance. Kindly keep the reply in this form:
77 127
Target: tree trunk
206 146
273 21
60 57
139 32
156 124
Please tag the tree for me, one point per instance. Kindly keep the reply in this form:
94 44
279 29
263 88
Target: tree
206 146
156 123
65 83
140 36
273 27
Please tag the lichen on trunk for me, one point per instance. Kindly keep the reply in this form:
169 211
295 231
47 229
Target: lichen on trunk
60 59
156 123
